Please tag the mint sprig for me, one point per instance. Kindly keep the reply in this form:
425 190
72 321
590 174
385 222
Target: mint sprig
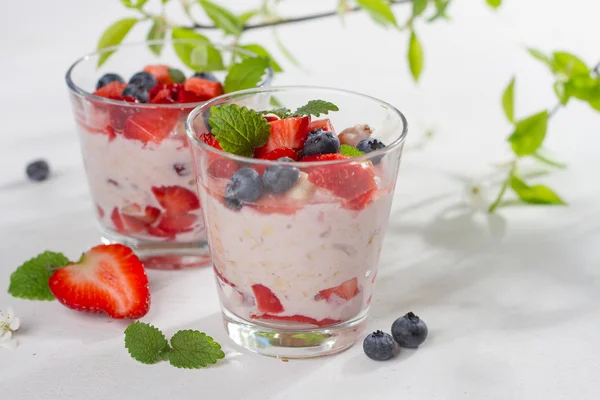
188 348
281 112
238 129
30 280
313 107
350 151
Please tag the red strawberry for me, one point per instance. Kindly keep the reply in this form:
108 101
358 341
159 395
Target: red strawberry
222 278
288 132
111 133
282 152
205 89
164 94
297 318
157 232
266 301
107 278
115 217
346 290
113 89
324 157
176 199
176 223
151 125
100 211
187 96
222 168
135 220
361 201
160 72
210 140
324 124
271 118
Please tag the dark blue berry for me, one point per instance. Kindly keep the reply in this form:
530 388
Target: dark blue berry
245 186
108 78
321 142
279 179
136 92
379 346
206 75
369 145
233 204
38 170
144 80
409 331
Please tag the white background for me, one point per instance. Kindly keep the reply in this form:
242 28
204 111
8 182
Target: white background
512 302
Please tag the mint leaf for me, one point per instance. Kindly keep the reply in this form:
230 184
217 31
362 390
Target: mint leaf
248 15
246 74
508 101
145 343
222 18
281 112
418 7
350 151
134 3
494 3
238 129
206 57
194 349
30 280
379 10
529 134
415 56
157 31
537 194
176 75
316 108
261 51
113 35
569 64
184 50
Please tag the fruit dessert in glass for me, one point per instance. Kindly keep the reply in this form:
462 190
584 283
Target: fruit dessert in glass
130 114
296 205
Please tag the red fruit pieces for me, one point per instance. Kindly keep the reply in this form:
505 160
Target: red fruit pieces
279 153
135 220
345 290
115 217
277 204
160 72
151 125
297 318
113 89
222 278
266 301
222 168
176 199
210 140
107 278
324 124
325 157
288 132
176 223
204 89
100 211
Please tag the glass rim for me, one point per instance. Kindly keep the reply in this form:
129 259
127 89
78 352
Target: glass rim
73 87
398 142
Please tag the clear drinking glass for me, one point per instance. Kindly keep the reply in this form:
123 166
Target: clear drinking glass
137 158
296 271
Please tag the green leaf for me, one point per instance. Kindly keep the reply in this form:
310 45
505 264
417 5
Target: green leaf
440 10
222 18
138 4
248 15
415 56
260 51
246 74
418 7
316 108
585 88
238 129
548 161
158 31
176 75
184 50
194 349
350 151
537 194
541 57
206 57
569 64
281 112
145 343
30 280
561 93
494 3
114 35
529 134
379 10
508 101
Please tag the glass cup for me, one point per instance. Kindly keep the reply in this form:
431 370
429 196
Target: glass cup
296 271
137 158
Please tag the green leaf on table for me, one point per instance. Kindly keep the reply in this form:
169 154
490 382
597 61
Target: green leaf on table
194 349
114 35
350 151
418 7
260 51
206 57
494 3
536 194
223 19
379 10
508 100
316 108
248 15
157 31
569 64
415 56
30 280
529 134
440 10
281 112
145 343
134 3
246 74
548 161
184 49
238 129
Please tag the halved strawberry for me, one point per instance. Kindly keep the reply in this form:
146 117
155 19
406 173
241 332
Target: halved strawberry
324 157
160 72
176 199
289 132
176 223
279 153
345 290
223 168
151 125
107 278
210 140
361 201
204 88
113 89
135 220
115 217
324 124
163 94
266 301
297 318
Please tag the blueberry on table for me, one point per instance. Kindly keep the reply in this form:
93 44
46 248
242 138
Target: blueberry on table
379 346
321 142
108 78
206 75
409 331
38 170
245 186
136 92
144 80
279 179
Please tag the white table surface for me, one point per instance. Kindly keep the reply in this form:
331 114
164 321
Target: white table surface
513 311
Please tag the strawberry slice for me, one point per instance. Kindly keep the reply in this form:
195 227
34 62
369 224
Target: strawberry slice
222 168
151 125
178 223
160 72
324 157
115 217
266 301
271 118
297 318
176 199
345 290
107 278
289 132
113 89
135 220
324 124
159 233
203 88
279 153
222 278
210 140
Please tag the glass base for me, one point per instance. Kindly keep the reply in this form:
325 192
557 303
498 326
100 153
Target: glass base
291 342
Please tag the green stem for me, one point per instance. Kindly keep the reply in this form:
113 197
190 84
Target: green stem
496 203
545 160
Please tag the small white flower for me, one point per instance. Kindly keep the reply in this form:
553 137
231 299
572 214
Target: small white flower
477 195
8 324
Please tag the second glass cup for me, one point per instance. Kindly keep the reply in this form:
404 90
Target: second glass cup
296 270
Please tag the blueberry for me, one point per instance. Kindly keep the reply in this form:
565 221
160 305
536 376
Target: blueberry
108 78
409 331
321 142
38 170
279 179
245 186
379 346
136 92
206 75
369 145
144 80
